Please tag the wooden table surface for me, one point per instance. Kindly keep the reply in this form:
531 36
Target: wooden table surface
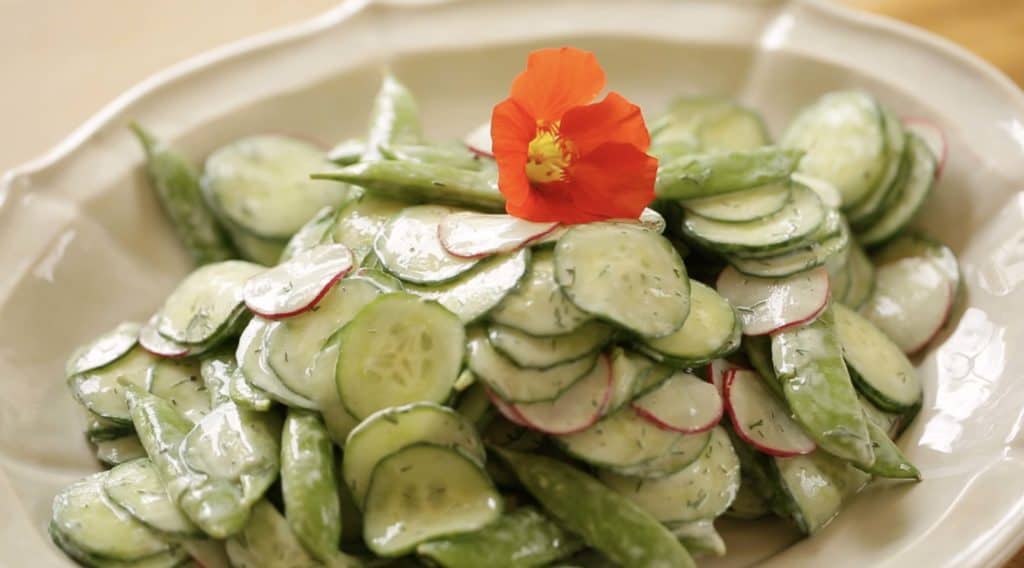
52 81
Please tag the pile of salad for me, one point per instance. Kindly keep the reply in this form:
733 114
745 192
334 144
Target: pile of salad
376 365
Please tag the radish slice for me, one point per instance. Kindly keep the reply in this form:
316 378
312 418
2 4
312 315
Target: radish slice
683 403
575 410
761 419
479 140
933 136
151 340
911 302
474 235
768 305
716 372
296 285
506 409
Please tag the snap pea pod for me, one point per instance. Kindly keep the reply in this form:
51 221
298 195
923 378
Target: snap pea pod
703 175
245 394
815 382
161 429
216 369
268 541
520 539
176 183
889 460
605 520
420 182
395 118
347 152
758 349
700 537
454 155
310 490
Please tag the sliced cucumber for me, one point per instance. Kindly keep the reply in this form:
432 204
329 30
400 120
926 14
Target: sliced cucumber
392 429
817 485
397 350
315 232
84 516
620 440
862 278
699 537
686 449
103 350
480 291
136 487
519 539
253 362
247 395
538 306
119 450
101 391
324 392
207 303
843 134
522 384
702 490
174 557
748 504
410 248
544 352
890 184
625 274
261 183
255 248
695 176
736 129
915 189
711 330
359 222
878 367
100 429
747 205
579 407
422 492
825 249
809 363
181 384
628 371
216 370
293 344
267 541
782 230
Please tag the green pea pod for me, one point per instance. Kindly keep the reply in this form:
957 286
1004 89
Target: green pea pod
267 540
310 490
454 155
421 182
247 395
395 118
161 429
703 175
347 152
605 520
758 349
520 539
216 369
889 460
176 183
809 363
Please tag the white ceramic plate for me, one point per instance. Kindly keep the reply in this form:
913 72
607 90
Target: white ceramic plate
83 244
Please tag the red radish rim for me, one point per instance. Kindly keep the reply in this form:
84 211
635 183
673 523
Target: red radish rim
478 151
594 418
316 300
152 350
721 385
505 409
942 323
527 242
796 323
729 377
942 135
661 425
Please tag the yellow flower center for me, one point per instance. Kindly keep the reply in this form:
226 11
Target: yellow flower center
547 156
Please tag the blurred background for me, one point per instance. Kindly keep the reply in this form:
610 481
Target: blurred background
64 59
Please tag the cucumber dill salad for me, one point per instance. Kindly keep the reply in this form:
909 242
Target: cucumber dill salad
373 365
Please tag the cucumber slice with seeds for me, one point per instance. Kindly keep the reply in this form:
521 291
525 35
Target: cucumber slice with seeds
702 490
480 291
538 306
409 247
261 183
392 429
207 303
544 352
422 492
397 350
518 384
625 274
711 330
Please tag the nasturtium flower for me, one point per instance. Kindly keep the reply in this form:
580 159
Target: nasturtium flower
563 157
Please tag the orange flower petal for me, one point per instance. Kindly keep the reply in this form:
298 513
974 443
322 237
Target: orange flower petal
614 119
556 80
615 181
511 131
552 202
